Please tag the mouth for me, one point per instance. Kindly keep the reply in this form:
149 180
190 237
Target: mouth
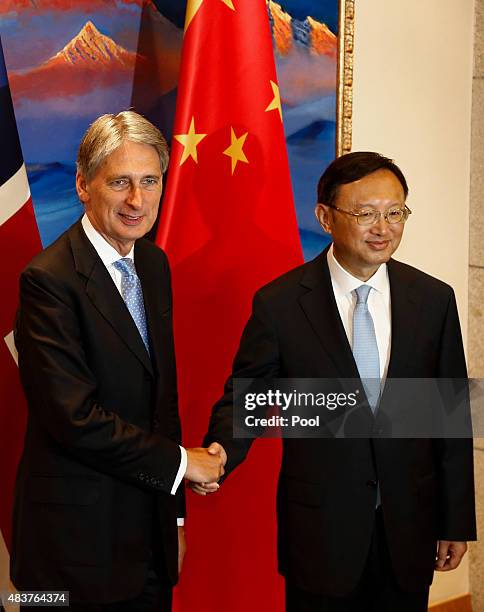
378 245
131 220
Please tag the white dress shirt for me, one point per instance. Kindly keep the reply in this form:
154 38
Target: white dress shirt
109 255
379 305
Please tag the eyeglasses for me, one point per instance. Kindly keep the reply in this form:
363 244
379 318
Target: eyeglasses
370 217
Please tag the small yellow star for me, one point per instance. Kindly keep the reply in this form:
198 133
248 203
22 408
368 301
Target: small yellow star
190 142
276 101
235 151
194 5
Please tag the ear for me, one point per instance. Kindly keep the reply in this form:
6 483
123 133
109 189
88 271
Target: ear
323 215
81 188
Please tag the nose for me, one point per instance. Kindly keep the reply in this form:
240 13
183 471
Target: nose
380 227
135 198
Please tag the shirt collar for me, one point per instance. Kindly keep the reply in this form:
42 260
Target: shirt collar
344 282
106 252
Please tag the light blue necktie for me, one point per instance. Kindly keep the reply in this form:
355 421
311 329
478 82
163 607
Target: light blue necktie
365 352
365 347
133 295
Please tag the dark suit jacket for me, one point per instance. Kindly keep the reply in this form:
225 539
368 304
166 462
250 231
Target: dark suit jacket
101 451
326 492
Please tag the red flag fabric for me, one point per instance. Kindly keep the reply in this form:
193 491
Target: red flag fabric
228 225
19 242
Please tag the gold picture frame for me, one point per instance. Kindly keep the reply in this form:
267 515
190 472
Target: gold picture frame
344 99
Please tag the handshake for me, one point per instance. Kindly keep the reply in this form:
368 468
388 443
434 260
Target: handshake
205 466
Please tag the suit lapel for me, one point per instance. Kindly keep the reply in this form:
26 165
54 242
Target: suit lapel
320 307
102 291
405 309
322 312
157 303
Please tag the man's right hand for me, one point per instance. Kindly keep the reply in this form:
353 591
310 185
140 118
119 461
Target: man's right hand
203 488
203 466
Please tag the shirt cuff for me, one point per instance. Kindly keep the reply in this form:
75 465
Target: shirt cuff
180 522
181 470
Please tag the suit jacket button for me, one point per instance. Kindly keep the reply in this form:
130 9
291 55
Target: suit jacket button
371 483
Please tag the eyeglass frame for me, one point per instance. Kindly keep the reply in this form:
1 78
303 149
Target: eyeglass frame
405 210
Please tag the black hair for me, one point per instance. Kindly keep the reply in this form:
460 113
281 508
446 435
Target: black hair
353 167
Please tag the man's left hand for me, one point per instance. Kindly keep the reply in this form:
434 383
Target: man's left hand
182 548
449 555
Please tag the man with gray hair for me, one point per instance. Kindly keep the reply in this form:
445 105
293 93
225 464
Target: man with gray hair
99 502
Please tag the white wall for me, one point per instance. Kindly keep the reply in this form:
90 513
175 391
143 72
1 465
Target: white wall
412 102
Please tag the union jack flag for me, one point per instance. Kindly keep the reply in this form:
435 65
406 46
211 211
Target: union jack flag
19 242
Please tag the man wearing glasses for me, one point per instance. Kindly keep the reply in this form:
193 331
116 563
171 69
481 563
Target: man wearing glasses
362 522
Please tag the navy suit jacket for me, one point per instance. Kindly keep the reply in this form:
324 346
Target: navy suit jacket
92 505
326 492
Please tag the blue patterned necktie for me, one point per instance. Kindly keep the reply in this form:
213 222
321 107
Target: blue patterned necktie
365 347
133 296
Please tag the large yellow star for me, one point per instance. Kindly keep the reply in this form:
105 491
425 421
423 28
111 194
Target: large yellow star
190 142
192 9
235 151
276 101
194 5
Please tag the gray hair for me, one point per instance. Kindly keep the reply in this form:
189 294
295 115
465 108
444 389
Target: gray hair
109 132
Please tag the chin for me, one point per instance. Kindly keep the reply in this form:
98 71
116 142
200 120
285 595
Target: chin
382 258
133 233
381 255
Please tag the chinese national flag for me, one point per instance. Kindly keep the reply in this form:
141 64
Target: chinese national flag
228 225
19 242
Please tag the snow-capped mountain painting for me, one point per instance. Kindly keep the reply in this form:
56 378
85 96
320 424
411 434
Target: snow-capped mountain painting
306 59
71 60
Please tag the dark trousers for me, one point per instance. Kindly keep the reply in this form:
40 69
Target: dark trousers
377 591
155 597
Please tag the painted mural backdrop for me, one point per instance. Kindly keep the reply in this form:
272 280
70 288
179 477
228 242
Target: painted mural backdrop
72 60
